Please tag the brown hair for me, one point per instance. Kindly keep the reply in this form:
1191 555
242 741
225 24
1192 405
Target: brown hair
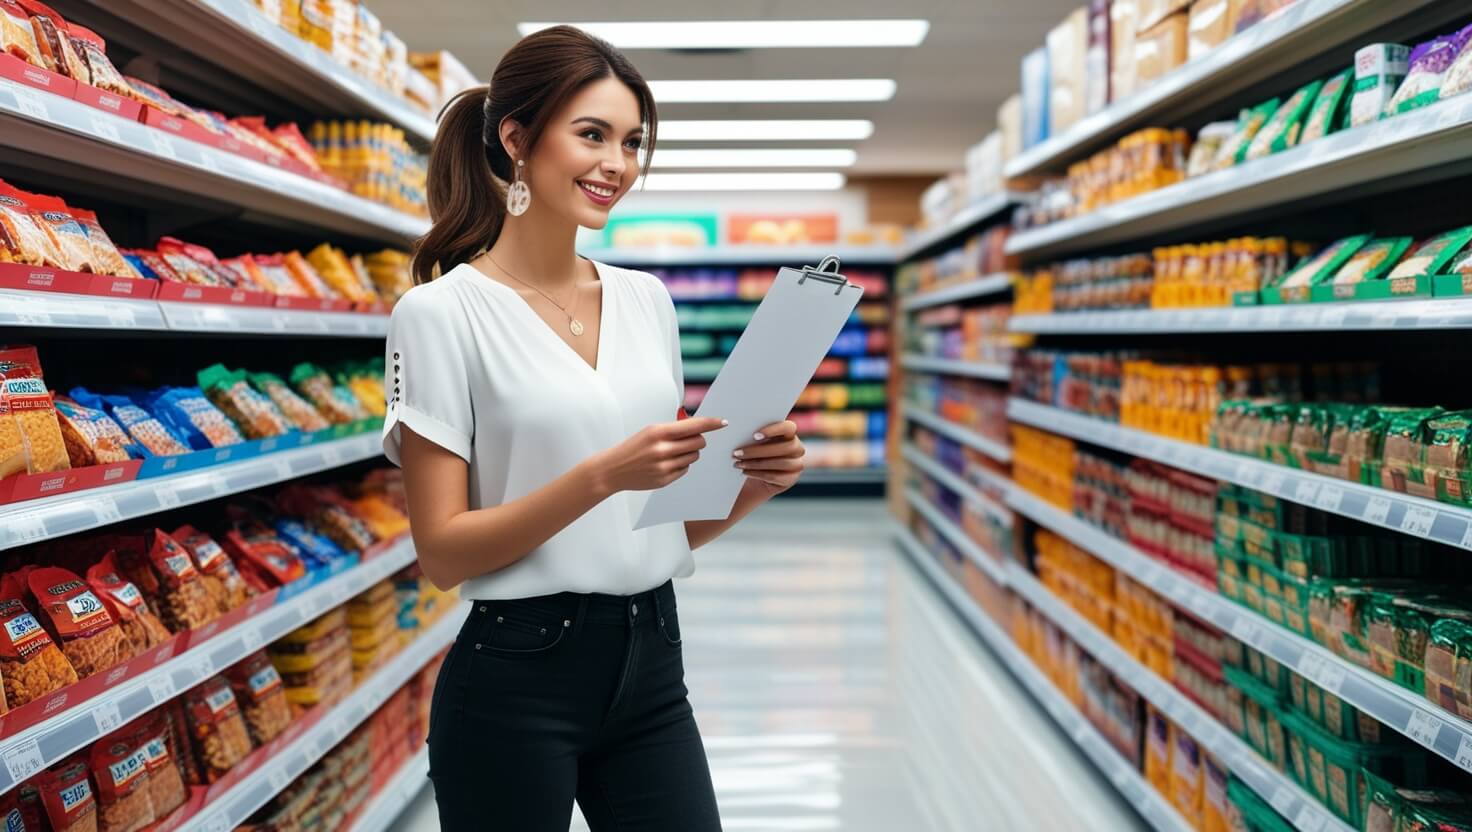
538 75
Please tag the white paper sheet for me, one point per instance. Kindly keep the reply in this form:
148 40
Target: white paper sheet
774 359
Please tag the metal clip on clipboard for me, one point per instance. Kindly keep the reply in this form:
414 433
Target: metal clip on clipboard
827 271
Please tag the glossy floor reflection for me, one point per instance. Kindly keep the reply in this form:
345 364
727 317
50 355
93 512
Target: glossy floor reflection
836 690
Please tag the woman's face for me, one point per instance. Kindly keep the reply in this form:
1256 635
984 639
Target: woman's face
588 157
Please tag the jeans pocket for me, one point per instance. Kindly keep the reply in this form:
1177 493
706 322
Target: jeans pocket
669 627
521 635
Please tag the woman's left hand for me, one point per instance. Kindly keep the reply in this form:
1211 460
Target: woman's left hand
774 459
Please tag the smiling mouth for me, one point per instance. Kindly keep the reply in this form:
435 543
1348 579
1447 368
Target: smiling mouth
601 193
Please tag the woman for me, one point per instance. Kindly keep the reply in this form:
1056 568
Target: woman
534 405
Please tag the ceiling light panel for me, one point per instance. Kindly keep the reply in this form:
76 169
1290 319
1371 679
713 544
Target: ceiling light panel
751 34
773 91
744 181
762 130
836 157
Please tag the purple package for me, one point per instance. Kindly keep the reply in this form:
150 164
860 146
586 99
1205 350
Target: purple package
1428 66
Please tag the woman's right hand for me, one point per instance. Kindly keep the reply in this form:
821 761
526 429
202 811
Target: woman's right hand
654 457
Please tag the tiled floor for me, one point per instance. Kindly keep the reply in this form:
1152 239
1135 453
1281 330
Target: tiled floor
826 672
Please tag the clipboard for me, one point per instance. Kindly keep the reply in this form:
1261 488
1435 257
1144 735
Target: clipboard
774 359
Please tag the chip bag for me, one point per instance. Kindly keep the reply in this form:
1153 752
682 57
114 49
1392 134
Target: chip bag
22 239
366 384
335 402
255 413
262 556
17 37
30 437
66 794
166 787
218 731
262 697
223 581
302 272
105 254
93 50
31 665
56 219
333 266
92 437
166 574
127 604
77 619
302 415
146 430
55 43
248 268
194 417
119 764
195 264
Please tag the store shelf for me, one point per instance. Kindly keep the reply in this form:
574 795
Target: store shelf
1412 715
56 310
380 813
1309 28
989 285
955 482
236 38
1377 506
744 255
993 567
232 808
31 521
992 448
973 214
843 476
53 309
1150 804
954 367
1439 313
1421 140
54 739
147 163
1276 787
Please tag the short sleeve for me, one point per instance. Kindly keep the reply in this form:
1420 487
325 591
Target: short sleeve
426 374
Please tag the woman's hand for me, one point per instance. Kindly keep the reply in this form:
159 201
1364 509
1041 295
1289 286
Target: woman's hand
652 458
774 459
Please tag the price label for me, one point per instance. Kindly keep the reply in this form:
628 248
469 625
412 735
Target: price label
1377 510
1423 728
1305 491
163 145
1331 677
1246 473
1244 630
108 717
203 667
1467 536
1418 520
252 638
1309 819
103 127
1332 317
26 316
120 316
1273 483
26 528
1329 497
217 822
162 689
23 760
1464 752
31 104
1282 799
325 741
169 497
279 779
332 456
283 470
106 510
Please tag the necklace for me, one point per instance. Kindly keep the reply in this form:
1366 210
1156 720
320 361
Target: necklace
572 322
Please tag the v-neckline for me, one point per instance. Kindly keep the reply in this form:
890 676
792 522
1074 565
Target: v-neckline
600 361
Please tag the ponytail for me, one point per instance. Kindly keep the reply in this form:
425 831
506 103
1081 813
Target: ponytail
467 205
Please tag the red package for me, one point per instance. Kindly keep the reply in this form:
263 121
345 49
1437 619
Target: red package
216 727
32 811
181 747
76 618
21 233
252 130
127 604
223 581
273 268
262 696
66 793
289 138
119 763
195 264
248 271
31 664
93 50
156 264
157 98
54 41
260 553
166 574
17 35
105 254
12 818
165 779
52 214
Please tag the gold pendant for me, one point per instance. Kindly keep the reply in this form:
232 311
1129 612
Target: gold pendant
575 325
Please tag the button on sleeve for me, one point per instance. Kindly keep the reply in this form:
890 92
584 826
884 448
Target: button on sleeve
426 376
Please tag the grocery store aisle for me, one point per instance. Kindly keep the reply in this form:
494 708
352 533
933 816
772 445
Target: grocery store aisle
836 690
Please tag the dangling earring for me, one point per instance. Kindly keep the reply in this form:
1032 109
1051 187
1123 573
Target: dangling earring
519 195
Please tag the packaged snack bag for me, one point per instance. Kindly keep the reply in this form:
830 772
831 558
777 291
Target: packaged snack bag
1281 131
260 554
31 664
221 579
216 727
1379 70
147 431
166 787
17 37
1459 77
333 401
260 135
366 383
334 268
93 50
66 794
1316 269
22 239
119 764
166 574
194 417
77 619
32 811
105 254
30 437
316 550
297 410
255 413
1249 122
1430 62
248 270
272 267
151 263
54 42
127 604
381 516
329 513
261 695
56 220
1328 110
181 742
194 264
1372 261
302 272
289 138
1432 255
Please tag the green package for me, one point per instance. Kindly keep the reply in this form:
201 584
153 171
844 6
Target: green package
1372 261
1281 131
1326 114
1316 269
1433 254
1249 122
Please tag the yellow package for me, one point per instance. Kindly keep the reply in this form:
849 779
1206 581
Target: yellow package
369 616
371 635
372 595
1185 777
30 436
1158 742
381 516
334 619
334 268
1214 802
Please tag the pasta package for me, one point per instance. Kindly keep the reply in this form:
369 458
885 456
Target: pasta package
1429 64
166 574
77 619
302 415
1379 69
1316 269
255 413
66 794
127 604
216 727
22 239
166 787
223 581
119 764
1249 123
31 665
262 697
30 436
105 254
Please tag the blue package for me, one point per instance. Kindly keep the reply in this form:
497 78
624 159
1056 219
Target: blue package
316 550
144 427
191 415
140 266
1035 97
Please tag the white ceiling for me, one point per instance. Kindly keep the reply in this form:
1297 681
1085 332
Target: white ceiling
949 87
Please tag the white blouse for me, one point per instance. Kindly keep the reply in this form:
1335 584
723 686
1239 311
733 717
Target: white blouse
474 369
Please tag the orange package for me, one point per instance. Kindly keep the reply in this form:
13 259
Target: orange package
289 138
55 43
165 780
31 664
302 272
275 280
105 254
17 37
77 619
30 436
216 727
22 239
221 579
68 235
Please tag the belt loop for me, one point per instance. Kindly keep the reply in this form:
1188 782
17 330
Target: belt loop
658 604
582 614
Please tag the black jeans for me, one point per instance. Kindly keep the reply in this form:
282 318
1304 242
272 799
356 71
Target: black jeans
546 700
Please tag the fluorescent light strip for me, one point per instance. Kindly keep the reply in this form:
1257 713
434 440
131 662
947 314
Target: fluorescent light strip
743 181
761 130
750 34
837 157
838 89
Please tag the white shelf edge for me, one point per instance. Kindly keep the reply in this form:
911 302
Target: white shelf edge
31 521
384 808
68 311
1131 784
985 285
994 567
965 436
1277 788
1392 510
232 808
977 212
1387 702
1438 133
1425 313
77 726
956 367
736 255
955 482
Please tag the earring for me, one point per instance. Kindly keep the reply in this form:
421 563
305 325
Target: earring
518 196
